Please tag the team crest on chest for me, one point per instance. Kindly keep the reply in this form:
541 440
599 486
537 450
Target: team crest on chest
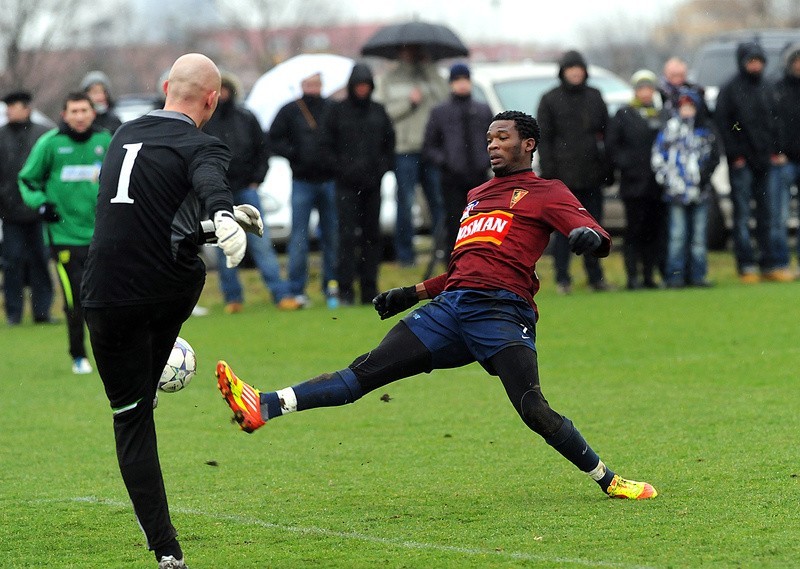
470 206
517 195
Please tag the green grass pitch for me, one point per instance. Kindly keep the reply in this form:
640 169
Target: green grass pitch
695 391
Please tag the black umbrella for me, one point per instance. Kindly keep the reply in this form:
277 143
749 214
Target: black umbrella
438 41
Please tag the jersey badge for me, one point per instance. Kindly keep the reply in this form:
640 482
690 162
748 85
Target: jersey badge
516 196
470 206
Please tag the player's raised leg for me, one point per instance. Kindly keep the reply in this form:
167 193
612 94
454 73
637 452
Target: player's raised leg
400 354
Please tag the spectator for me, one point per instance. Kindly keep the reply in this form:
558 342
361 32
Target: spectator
409 91
673 80
749 135
685 155
97 86
573 117
24 252
239 129
630 140
786 169
455 141
60 180
359 143
296 135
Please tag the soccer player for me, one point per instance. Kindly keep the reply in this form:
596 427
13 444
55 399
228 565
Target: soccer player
482 308
143 274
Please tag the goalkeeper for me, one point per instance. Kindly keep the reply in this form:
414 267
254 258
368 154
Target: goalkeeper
482 309
143 273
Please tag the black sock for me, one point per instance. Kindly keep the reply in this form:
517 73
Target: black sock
569 442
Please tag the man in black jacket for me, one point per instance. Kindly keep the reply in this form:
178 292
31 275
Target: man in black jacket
24 251
239 129
749 135
573 118
358 141
455 141
296 134
786 170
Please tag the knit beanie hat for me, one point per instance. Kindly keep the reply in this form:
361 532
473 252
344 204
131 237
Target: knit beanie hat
643 78
458 70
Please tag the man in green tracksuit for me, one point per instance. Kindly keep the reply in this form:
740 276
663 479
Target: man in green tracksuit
60 179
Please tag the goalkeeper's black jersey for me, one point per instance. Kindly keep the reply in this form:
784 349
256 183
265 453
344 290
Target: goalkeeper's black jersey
159 174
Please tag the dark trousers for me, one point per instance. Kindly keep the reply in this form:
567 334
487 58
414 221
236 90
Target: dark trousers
25 259
454 194
642 250
131 345
360 244
592 200
70 260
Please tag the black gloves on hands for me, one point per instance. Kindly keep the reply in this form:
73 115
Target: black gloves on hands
48 213
584 240
395 301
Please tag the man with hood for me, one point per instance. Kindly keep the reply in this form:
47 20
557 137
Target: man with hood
786 170
60 179
358 142
749 135
24 250
455 141
98 87
239 129
296 134
573 118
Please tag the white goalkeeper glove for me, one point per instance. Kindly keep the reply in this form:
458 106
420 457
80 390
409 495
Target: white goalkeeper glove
231 238
249 218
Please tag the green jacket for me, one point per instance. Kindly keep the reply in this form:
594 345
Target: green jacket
65 172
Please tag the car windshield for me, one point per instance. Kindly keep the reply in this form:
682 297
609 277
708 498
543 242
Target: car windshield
715 68
524 94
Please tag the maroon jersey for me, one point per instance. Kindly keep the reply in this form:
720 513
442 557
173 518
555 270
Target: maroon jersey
504 230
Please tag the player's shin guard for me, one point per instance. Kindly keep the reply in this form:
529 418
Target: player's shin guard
569 442
326 390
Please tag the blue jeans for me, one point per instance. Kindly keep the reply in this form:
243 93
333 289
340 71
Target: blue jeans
410 170
307 196
24 255
747 185
262 253
781 178
686 246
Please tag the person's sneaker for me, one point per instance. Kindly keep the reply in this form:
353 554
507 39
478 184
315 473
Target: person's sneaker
169 562
601 286
749 278
564 288
630 489
81 366
244 400
288 303
779 276
233 308
199 310
303 301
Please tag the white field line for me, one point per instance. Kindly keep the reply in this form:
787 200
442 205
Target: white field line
405 544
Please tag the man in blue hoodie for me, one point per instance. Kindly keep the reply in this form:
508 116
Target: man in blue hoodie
749 135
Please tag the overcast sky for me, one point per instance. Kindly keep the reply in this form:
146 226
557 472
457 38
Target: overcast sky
550 21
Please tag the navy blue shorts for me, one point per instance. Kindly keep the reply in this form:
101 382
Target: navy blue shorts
462 326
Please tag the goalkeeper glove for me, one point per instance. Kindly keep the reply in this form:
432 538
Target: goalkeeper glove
48 213
583 240
230 238
249 218
395 301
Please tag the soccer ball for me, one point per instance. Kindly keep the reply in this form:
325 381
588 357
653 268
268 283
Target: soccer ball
180 368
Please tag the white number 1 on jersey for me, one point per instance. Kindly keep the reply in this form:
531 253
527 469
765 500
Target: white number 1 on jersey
131 151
